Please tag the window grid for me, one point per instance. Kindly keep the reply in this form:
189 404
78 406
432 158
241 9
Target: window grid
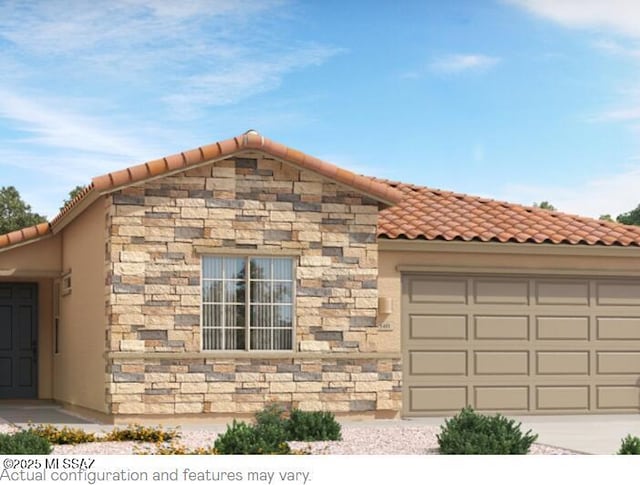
272 328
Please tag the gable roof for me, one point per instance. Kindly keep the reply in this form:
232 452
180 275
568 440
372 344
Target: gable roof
251 141
432 214
418 213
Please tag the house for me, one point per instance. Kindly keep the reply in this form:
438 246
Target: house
242 273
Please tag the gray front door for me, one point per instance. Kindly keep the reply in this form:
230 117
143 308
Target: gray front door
18 341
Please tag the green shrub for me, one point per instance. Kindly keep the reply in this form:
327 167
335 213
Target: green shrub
62 436
244 439
136 432
24 443
630 446
312 426
271 424
272 430
470 433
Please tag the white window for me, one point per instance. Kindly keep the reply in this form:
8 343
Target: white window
247 310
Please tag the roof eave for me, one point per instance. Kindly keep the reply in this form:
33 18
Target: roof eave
248 142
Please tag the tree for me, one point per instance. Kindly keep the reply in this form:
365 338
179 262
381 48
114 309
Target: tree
544 205
14 212
632 217
606 217
73 193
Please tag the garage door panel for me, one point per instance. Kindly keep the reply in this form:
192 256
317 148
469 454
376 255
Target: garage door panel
514 292
618 293
503 398
562 398
562 328
618 328
437 399
618 397
562 293
562 363
494 327
501 363
438 363
438 291
450 327
618 362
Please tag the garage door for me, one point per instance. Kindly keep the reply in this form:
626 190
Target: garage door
520 345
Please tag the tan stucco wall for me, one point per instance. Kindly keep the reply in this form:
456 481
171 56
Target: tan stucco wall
37 262
79 367
491 258
32 259
45 332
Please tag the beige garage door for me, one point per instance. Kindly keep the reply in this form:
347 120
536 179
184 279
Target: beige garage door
520 345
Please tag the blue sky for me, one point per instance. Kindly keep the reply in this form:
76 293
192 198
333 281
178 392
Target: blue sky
519 100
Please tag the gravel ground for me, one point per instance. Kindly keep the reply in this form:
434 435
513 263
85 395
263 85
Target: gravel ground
356 440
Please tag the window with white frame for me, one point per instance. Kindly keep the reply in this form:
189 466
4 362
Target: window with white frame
247 303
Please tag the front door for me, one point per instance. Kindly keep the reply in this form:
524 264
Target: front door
18 341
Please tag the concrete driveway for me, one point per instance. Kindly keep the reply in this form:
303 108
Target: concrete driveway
598 434
595 434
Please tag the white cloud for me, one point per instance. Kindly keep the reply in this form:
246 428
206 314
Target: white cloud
619 16
456 63
617 48
195 53
51 124
613 194
240 81
619 114
64 27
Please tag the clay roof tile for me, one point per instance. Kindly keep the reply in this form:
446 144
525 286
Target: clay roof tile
447 215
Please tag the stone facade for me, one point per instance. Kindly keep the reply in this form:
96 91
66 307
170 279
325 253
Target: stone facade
157 235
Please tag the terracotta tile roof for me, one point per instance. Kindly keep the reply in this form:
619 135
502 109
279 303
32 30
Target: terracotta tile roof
32 232
432 214
251 140
418 213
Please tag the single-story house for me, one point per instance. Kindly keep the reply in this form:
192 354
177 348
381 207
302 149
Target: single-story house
242 273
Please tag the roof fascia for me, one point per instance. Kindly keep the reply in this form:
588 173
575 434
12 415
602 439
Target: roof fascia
423 245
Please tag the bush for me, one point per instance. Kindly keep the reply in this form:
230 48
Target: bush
136 432
630 446
24 443
62 436
273 429
469 433
244 439
271 424
173 449
312 426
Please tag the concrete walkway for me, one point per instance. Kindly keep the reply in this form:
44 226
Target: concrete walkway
23 413
592 434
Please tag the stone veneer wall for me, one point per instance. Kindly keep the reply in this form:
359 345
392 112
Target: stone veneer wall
158 233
